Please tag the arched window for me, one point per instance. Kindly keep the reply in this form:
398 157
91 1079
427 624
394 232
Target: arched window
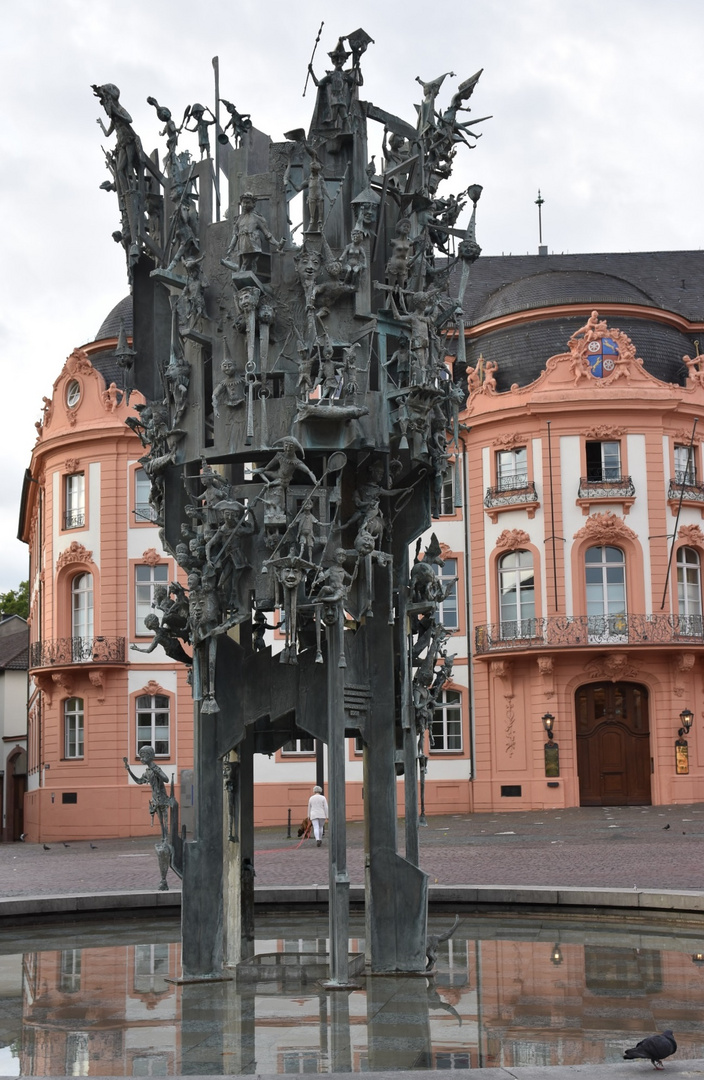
73 727
82 617
689 591
517 595
605 570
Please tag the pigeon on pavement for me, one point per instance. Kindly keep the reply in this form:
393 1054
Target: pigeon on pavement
654 1047
46 847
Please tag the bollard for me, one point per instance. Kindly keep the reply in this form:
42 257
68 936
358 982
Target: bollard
288 833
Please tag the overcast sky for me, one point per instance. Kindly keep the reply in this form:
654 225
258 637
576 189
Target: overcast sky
596 102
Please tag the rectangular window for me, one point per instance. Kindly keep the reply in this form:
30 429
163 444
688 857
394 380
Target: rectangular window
70 975
448 611
685 465
446 726
299 746
151 968
142 486
603 461
77 1053
73 727
74 501
452 1059
146 577
512 469
447 496
153 723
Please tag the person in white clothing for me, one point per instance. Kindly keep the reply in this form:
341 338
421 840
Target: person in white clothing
318 813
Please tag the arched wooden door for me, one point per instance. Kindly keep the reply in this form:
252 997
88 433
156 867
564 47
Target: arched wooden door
613 745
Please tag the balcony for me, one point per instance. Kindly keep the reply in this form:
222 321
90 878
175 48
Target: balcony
145 512
600 488
63 652
686 488
513 490
74 519
568 632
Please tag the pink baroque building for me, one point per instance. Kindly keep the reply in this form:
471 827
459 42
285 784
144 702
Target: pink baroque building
583 461
571 534
95 561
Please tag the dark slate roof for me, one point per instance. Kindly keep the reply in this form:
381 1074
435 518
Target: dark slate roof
559 287
672 281
14 651
522 351
105 362
122 312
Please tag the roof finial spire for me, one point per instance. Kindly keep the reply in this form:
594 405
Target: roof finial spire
542 249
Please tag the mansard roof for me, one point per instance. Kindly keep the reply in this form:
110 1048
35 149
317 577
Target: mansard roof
669 283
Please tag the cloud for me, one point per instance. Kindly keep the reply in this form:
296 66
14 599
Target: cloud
597 103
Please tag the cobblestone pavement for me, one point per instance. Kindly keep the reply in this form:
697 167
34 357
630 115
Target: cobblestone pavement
609 847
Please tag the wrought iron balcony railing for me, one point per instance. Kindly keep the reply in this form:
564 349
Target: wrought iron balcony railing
74 519
565 631
606 487
145 512
686 486
57 652
521 490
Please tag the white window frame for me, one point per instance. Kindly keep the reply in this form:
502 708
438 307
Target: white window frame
149 708
448 715
146 577
82 617
74 728
512 468
70 971
447 494
685 464
611 466
689 591
75 500
294 747
143 510
449 619
610 623
523 623
151 968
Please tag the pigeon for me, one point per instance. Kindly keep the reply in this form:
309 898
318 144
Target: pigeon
23 837
665 827
65 844
94 847
46 847
654 1047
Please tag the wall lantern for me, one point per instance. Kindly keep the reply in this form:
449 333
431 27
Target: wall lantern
556 954
681 745
552 750
698 958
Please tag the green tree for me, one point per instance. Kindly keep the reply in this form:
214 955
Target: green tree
16 601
